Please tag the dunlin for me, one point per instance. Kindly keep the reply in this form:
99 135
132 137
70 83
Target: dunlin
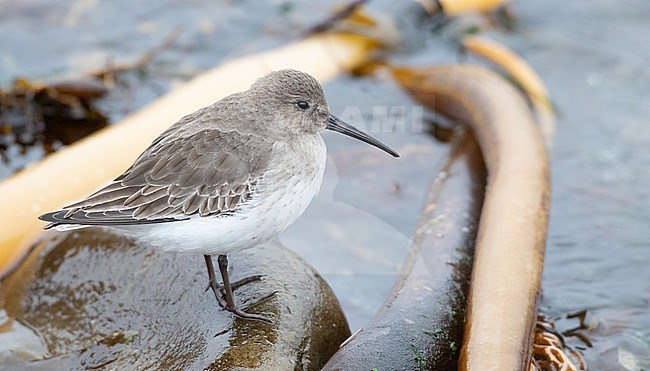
227 177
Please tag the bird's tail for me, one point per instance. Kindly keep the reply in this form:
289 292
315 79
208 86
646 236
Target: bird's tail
58 222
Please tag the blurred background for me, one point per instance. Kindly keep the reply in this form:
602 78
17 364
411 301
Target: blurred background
592 55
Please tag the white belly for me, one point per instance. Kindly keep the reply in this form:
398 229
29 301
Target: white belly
287 189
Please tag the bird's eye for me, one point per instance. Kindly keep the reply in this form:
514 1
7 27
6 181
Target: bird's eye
303 104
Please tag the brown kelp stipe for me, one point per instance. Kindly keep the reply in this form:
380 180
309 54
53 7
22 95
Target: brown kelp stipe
427 305
511 239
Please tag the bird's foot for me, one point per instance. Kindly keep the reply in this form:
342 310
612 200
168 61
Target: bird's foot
224 293
235 285
220 294
243 281
242 313
249 316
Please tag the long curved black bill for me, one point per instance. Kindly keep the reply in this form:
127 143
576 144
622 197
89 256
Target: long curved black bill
338 125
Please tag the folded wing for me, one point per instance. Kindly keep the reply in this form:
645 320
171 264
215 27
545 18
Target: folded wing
183 173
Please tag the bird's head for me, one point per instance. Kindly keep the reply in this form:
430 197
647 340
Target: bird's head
293 103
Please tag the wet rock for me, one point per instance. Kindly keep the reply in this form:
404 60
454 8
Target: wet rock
90 299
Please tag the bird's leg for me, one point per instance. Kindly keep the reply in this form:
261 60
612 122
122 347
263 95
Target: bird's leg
213 284
218 288
237 284
222 260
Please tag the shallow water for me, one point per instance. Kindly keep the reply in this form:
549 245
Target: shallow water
593 56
